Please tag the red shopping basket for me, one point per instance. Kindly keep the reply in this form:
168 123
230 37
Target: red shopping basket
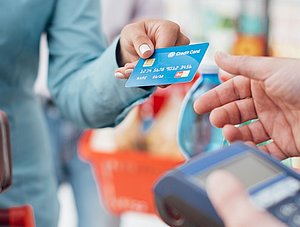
126 178
17 217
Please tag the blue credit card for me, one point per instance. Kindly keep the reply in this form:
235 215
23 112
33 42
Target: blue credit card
170 65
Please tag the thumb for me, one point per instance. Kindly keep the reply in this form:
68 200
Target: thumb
145 50
257 68
143 45
136 35
232 202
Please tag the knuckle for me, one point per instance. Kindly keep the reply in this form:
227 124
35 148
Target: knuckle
140 38
130 27
172 25
240 60
186 40
176 27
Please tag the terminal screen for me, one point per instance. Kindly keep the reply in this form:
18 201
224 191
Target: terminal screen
248 168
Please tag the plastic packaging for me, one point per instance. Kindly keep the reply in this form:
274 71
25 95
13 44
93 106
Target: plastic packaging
195 132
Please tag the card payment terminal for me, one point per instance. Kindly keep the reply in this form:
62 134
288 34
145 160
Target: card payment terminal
181 198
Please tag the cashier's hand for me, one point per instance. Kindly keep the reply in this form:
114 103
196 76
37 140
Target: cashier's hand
141 38
262 88
233 205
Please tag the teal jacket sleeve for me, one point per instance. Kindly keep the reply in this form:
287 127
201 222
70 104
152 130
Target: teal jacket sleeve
81 67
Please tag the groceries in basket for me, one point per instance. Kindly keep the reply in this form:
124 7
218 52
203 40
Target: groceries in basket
150 127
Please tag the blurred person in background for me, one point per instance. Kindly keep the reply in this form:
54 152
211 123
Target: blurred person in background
64 134
82 80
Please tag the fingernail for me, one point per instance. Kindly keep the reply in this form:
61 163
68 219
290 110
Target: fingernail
128 72
119 75
144 48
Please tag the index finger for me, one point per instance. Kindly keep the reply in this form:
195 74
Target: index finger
135 34
257 68
169 34
234 89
